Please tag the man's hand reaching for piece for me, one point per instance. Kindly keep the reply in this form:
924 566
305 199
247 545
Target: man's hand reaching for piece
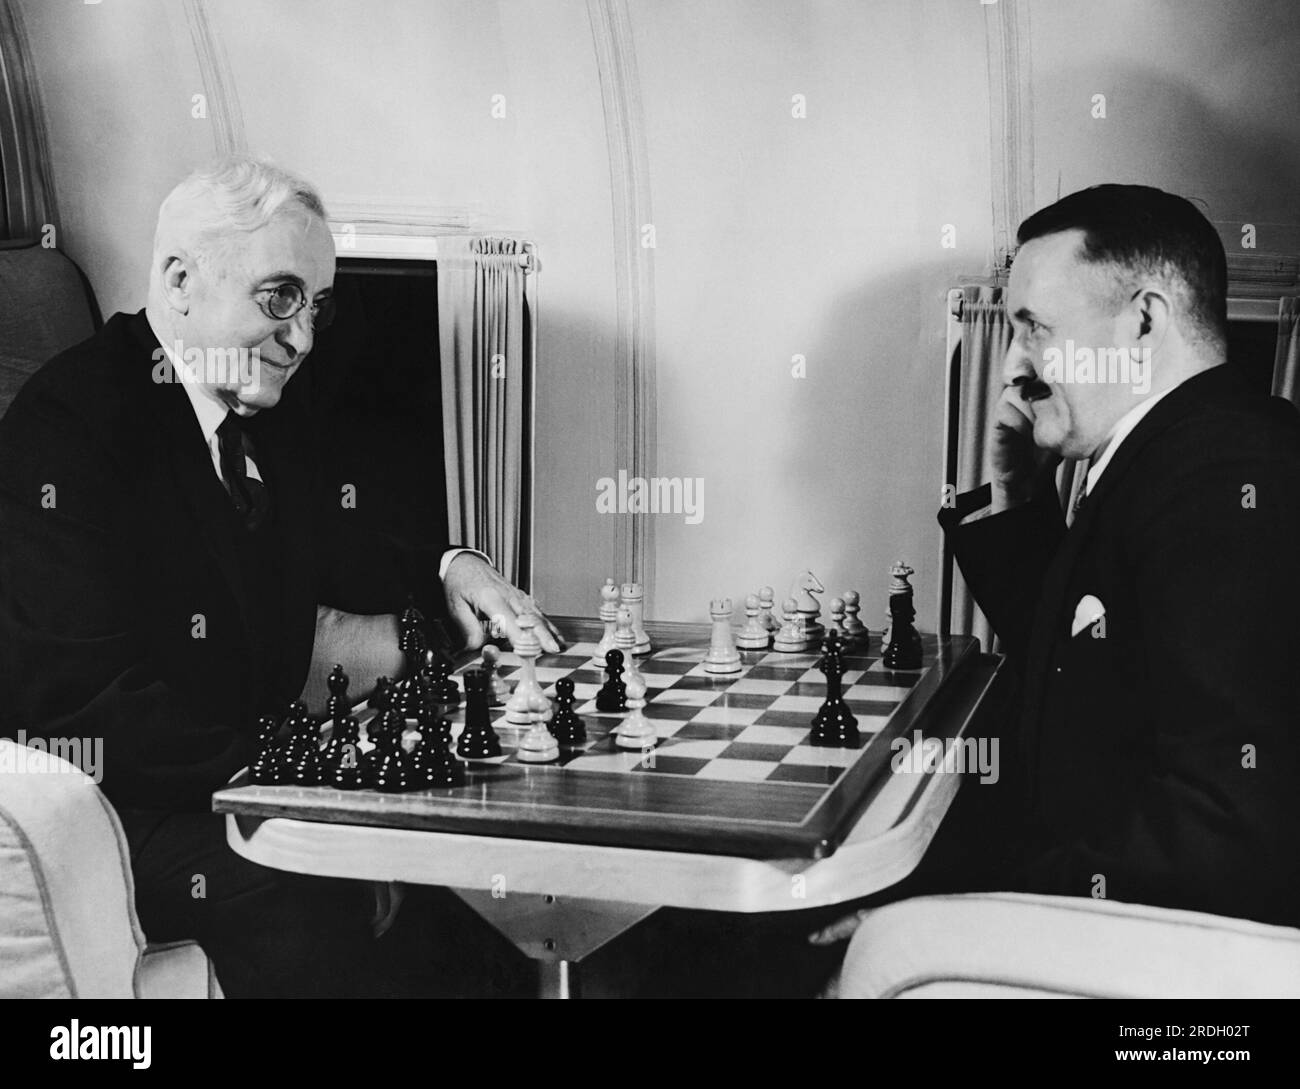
477 595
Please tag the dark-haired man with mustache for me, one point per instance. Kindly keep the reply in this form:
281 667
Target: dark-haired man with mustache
1157 751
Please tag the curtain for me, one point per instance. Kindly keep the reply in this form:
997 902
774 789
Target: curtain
26 195
977 385
1286 367
486 356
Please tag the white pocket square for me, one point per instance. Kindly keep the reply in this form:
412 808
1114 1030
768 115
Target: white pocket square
1088 611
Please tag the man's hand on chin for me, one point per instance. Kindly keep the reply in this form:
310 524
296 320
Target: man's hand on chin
476 593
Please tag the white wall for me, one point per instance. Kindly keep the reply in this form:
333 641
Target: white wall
775 236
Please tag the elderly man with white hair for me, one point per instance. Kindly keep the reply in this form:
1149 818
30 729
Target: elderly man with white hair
169 563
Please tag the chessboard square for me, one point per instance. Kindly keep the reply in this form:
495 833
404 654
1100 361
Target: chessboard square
618 760
701 750
789 719
708 731
580 650
788 674
877 692
785 736
738 771
588 676
879 675
805 689
760 686
692 697
671 666
870 724
816 676
548 674
805 773
659 764
676 711
750 701
679 654
821 755
801 660
873 708
739 750
658 680
728 716
808 704
701 683
567 661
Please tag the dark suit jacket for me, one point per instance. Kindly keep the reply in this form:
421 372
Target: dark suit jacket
99 592
1161 751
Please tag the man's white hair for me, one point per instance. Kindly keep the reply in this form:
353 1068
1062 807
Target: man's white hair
205 215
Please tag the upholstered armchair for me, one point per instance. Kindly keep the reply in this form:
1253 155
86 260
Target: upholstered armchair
1012 945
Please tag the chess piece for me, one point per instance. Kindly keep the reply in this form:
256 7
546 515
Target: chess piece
837 619
381 700
636 731
854 630
567 727
625 643
431 762
498 690
388 764
609 616
723 657
478 740
337 703
266 767
791 638
441 684
634 601
767 609
341 760
904 650
834 724
613 693
528 649
805 585
538 745
754 635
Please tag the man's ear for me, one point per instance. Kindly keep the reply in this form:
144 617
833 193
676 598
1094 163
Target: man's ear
1153 313
177 282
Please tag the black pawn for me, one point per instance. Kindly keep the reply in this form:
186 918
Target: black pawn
381 700
441 684
390 772
432 761
613 693
904 650
566 725
337 683
266 767
834 724
307 769
478 741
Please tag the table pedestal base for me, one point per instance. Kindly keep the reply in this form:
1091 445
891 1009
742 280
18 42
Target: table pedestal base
555 931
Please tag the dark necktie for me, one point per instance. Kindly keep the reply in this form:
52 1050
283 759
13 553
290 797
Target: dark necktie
252 500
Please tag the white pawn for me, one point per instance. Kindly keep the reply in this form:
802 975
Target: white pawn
498 691
528 648
837 619
636 731
853 627
634 599
625 640
791 639
767 606
754 635
538 746
723 657
608 614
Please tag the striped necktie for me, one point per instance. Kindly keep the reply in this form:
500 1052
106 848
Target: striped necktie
252 500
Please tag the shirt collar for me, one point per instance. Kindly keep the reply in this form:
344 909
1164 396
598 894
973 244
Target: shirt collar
208 411
1119 433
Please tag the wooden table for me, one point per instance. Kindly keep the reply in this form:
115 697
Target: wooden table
562 863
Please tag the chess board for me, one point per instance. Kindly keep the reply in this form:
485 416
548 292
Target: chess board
732 771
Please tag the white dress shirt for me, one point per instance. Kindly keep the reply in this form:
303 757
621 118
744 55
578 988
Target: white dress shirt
1118 434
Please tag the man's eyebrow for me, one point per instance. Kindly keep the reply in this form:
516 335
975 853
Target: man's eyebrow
293 277
1025 314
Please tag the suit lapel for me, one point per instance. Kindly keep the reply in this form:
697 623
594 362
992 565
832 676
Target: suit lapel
1053 617
195 477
